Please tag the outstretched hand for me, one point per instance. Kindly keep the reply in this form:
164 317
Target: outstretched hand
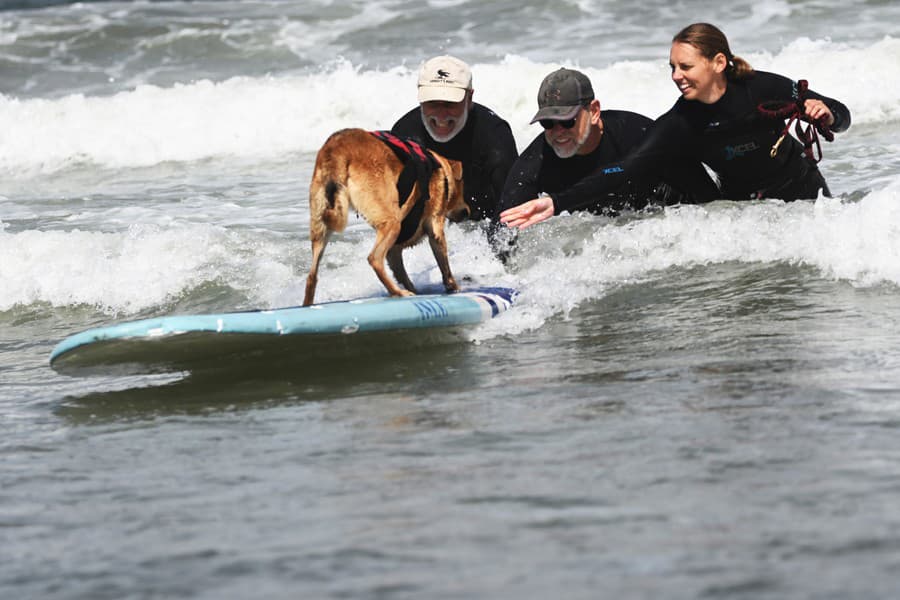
816 110
529 213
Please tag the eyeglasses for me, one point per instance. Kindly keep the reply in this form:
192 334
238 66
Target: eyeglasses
551 123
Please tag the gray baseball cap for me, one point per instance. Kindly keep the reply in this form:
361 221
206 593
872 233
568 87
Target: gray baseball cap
563 92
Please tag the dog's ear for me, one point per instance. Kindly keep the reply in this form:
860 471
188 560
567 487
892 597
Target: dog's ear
457 169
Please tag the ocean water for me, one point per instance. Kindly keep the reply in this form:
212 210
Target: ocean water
703 402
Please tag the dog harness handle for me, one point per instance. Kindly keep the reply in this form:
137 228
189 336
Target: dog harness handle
407 146
418 165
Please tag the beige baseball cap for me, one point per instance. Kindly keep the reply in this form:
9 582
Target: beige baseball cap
444 78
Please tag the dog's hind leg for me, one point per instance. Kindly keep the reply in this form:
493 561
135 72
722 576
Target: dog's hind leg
395 261
327 213
385 237
318 249
438 242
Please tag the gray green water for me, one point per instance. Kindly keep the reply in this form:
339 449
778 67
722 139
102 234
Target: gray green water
701 403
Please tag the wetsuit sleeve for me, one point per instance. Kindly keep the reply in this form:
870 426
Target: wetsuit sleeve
522 183
668 142
772 86
692 181
838 109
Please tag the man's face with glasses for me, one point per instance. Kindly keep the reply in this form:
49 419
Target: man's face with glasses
568 136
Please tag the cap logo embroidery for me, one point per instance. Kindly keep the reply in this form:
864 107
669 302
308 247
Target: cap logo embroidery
442 74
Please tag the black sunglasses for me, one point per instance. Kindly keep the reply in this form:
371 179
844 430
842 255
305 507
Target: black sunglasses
551 123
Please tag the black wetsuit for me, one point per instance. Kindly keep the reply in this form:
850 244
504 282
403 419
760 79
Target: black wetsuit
540 170
731 137
486 148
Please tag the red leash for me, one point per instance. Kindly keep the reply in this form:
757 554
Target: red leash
793 111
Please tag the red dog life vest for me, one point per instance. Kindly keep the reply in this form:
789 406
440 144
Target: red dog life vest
418 165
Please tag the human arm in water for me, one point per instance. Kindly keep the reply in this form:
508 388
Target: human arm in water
655 157
672 139
829 112
528 213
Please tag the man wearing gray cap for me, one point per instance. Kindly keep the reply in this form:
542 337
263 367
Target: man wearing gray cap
579 139
450 123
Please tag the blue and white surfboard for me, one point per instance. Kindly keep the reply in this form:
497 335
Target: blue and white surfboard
184 342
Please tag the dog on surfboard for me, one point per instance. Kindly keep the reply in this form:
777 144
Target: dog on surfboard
370 171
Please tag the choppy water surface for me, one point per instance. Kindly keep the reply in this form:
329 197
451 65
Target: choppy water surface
701 402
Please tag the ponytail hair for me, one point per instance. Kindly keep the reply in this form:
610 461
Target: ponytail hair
710 41
738 68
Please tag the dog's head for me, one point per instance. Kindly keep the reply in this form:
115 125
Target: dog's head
452 171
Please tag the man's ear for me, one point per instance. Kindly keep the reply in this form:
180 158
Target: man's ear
594 108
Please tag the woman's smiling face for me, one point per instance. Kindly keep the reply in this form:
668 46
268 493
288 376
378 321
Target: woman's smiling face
697 77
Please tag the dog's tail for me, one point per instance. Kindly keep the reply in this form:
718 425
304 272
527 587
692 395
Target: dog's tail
328 199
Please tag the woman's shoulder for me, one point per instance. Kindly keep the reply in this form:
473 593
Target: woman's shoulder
757 75
682 112
765 81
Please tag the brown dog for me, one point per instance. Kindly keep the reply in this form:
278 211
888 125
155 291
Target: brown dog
355 168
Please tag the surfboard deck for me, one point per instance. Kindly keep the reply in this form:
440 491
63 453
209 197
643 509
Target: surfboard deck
195 342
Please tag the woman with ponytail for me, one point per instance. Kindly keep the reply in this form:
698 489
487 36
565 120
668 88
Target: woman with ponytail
719 121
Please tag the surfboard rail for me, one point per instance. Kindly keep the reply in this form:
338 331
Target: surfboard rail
169 338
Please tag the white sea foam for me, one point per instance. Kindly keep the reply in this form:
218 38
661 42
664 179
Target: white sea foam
146 266
856 242
268 117
172 249
126 272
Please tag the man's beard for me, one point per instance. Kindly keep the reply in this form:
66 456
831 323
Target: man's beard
574 148
457 126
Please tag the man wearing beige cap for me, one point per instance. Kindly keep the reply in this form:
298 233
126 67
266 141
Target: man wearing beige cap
450 123
579 139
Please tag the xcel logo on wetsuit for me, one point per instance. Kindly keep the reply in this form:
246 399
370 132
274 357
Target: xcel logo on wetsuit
732 152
